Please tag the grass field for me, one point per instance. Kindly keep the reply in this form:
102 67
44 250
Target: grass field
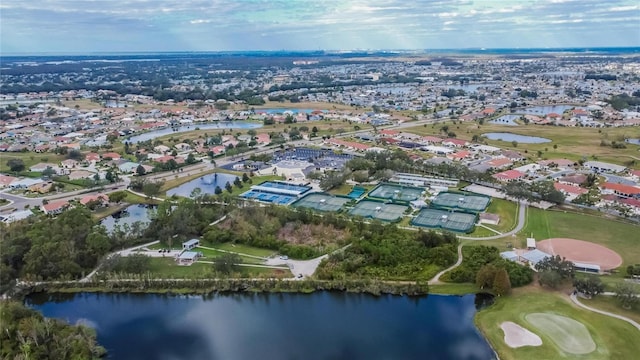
614 339
167 268
572 143
616 235
507 210
29 159
453 289
610 304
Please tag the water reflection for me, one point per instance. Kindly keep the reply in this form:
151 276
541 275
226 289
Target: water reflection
324 325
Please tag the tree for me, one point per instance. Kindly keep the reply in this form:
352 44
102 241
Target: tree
228 187
245 177
140 171
217 190
75 155
563 267
191 159
48 172
549 278
237 182
590 286
117 197
151 189
227 263
16 165
486 276
501 283
627 295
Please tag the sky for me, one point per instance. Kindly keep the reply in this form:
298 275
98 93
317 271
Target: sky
88 26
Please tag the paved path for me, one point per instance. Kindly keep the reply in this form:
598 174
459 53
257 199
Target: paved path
125 252
575 300
251 265
232 252
436 279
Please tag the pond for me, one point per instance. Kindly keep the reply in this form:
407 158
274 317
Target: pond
509 120
322 325
546 110
523 139
633 141
128 215
206 183
191 127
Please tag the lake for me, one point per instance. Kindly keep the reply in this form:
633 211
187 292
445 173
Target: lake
283 110
633 141
322 325
191 127
524 139
546 110
128 215
206 183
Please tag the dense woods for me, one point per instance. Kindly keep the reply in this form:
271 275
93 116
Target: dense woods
481 265
26 334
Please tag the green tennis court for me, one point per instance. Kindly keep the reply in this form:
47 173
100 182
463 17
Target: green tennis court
378 210
441 219
474 203
397 192
321 202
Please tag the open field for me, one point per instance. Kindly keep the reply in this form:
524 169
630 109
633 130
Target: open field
573 143
618 236
303 105
453 289
507 210
29 159
167 268
614 339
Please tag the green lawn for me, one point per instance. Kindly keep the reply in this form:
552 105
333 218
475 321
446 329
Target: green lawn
453 289
616 235
210 255
167 268
610 304
29 159
508 212
615 339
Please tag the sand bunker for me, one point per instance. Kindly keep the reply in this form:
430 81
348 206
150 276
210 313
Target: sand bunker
582 252
516 336
571 336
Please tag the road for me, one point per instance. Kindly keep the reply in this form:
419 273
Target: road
575 300
436 279
522 213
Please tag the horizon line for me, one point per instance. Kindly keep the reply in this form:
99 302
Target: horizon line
344 51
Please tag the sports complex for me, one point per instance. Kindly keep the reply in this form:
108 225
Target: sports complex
378 210
276 192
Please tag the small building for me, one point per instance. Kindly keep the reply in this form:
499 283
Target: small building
602 167
531 243
587 268
187 258
488 218
188 245
509 255
533 257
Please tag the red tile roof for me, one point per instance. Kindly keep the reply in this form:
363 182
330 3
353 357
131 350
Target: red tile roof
622 189
570 189
509 175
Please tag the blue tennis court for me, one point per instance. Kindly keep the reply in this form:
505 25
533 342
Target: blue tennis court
357 192
273 198
281 188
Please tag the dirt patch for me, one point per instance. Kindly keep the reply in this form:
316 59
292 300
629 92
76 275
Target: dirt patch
309 234
569 335
582 252
516 336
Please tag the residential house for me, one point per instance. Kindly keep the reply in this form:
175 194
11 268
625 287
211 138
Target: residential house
499 163
455 142
55 207
111 156
509 175
101 198
68 164
621 190
603 167
6 180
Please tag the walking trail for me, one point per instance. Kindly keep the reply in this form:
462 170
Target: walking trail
575 300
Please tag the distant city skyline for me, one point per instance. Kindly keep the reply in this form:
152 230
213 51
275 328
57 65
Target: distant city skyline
81 26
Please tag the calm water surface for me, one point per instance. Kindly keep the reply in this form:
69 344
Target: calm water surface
206 126
128 215
524 139
207 184
321 325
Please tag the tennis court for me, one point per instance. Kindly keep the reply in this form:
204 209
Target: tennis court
454 221
378 210
321 202
449 200
281 187
397 192
269 197
356 192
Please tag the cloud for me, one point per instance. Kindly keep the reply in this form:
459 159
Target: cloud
153 25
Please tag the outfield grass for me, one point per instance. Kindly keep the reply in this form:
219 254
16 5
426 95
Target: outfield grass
573 142
615 339
616 235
